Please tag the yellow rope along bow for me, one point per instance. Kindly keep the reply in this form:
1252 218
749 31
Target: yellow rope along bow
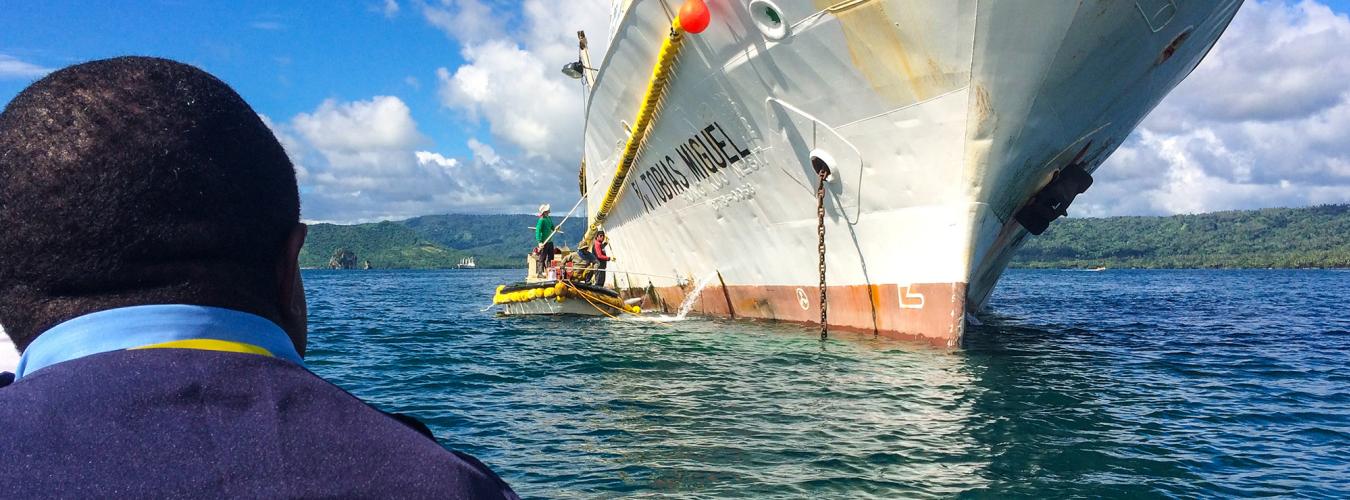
651 106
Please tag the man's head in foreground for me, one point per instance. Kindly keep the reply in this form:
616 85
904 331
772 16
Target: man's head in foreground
136 181
145 182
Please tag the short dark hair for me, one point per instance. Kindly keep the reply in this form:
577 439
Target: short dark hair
138 180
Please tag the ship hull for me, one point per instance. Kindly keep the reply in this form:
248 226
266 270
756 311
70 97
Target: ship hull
939 120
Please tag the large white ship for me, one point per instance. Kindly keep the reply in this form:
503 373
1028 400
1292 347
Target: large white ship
949 127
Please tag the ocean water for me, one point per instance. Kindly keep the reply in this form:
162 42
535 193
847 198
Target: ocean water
1092 384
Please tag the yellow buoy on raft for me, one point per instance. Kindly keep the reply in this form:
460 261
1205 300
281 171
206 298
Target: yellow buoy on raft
586 299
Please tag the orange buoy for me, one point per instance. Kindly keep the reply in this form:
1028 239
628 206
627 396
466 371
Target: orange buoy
694 16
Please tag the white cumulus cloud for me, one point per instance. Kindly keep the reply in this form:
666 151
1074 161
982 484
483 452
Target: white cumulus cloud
468 21
13 68
512 80
381 123
429 158
515 92
367 160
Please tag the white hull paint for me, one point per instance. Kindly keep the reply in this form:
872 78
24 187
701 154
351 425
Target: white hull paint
940 119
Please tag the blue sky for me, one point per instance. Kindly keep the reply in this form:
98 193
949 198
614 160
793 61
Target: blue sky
285 58
397 108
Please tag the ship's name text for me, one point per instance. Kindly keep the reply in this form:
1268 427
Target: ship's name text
705 155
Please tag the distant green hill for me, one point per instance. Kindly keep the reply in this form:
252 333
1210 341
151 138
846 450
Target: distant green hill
433 241
494 240
1273 237
385 245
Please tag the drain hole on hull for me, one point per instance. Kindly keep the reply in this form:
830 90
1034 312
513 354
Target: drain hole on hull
769 19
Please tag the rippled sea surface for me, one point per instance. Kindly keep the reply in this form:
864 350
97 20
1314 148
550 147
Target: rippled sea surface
1115 383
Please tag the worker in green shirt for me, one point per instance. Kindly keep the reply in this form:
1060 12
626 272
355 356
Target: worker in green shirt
543 234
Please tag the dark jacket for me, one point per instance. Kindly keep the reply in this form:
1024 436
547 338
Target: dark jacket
163 423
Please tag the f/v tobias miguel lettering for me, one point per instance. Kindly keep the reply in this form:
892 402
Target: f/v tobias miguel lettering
951 130
704 157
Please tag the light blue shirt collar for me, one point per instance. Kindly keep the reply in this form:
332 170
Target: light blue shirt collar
138 326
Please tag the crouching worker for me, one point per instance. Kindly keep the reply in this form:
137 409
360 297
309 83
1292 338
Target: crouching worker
149 276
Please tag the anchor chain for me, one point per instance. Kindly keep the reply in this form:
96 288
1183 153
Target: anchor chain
823 173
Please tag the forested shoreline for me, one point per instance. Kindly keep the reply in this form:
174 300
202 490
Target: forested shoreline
1291 238
1287 238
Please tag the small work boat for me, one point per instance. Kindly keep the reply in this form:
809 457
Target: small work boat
561 297
564 287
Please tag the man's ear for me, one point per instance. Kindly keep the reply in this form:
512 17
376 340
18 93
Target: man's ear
294 311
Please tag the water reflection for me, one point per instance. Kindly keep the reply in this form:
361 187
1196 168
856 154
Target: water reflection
1095 399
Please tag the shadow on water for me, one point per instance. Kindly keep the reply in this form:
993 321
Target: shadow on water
1137 389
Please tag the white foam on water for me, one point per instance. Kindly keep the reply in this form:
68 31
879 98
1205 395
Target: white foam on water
685 306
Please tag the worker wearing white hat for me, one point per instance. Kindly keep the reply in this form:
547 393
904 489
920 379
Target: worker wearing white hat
543 235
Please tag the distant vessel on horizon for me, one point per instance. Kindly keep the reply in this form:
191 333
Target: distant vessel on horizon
949 130
467 263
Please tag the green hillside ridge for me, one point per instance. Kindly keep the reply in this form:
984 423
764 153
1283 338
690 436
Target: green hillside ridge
384 244
430 242
1273 237
1266 238
502 240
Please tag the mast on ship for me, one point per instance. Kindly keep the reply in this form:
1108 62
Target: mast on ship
581 69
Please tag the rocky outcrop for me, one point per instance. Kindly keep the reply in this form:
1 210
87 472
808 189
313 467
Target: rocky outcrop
342 259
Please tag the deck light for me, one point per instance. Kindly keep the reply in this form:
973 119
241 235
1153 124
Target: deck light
573 70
